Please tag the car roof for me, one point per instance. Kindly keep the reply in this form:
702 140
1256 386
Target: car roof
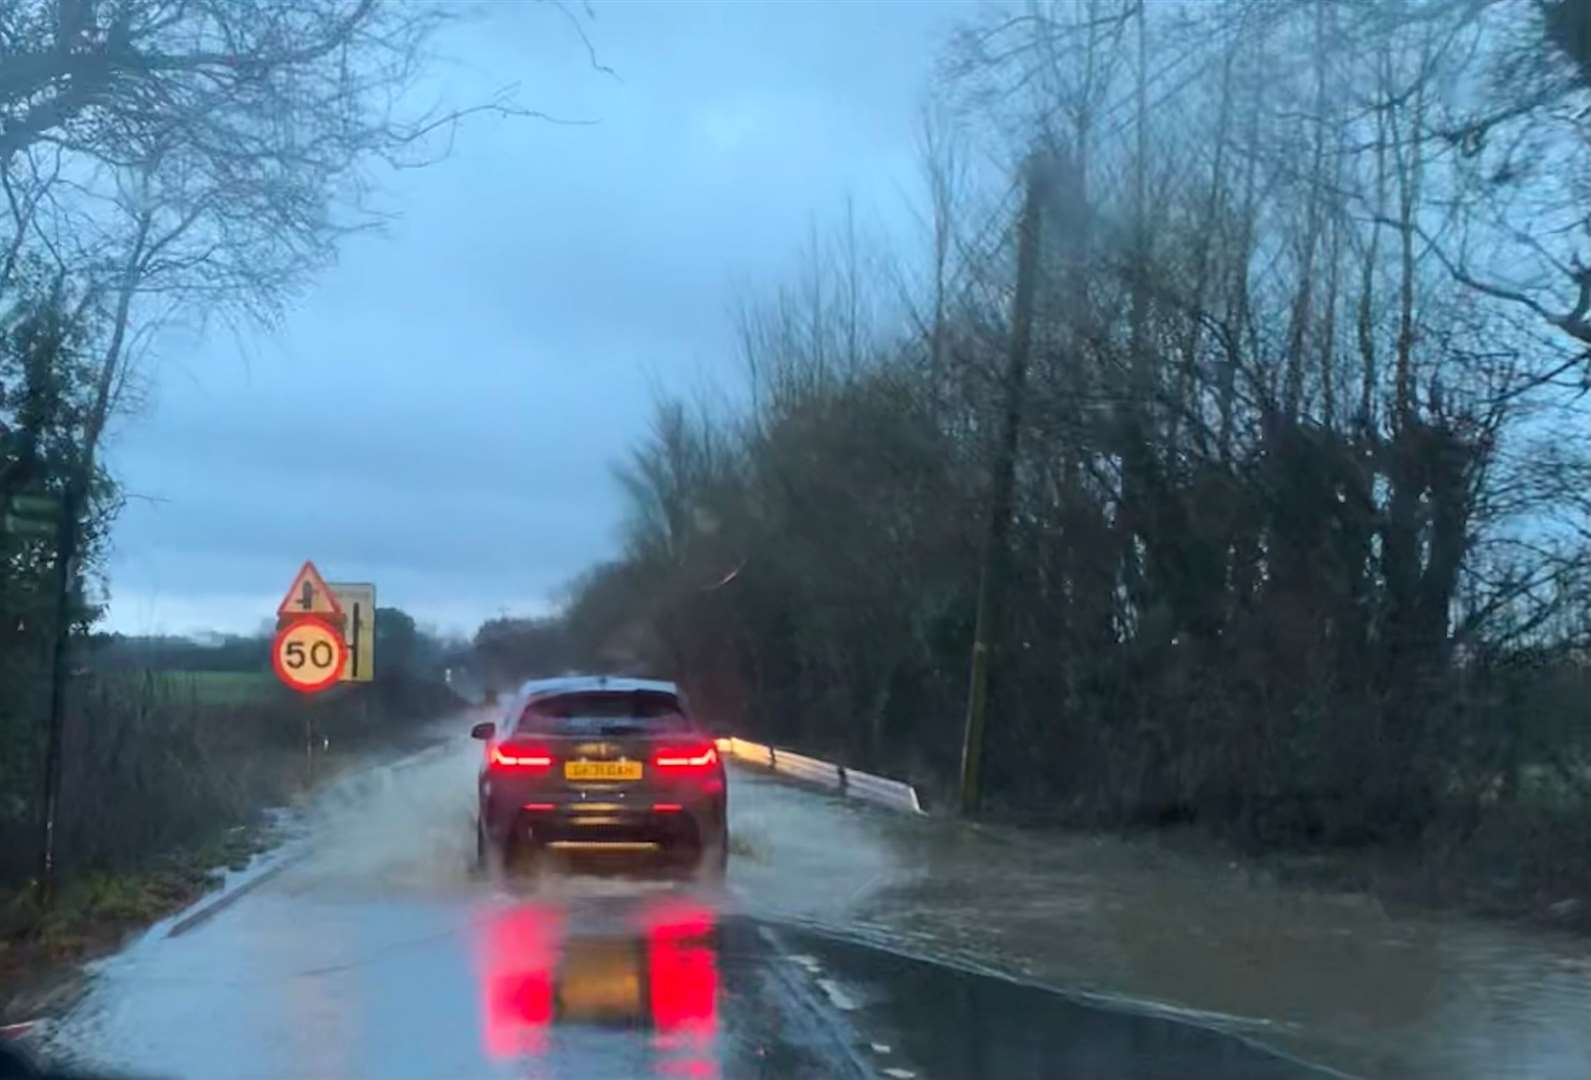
579 684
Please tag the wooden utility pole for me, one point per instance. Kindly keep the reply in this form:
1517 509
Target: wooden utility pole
65 572
991 578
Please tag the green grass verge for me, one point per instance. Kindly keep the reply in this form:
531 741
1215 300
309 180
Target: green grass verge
94 910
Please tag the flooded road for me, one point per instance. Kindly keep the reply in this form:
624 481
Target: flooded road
375 951
1333 978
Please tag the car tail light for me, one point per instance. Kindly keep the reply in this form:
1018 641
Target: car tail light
667 807
700 757
521 759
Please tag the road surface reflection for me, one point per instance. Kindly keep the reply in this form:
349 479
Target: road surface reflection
656 971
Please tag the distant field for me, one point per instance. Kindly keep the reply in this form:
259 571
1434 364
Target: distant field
222 687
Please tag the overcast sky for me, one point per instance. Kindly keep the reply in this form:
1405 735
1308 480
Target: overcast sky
439 413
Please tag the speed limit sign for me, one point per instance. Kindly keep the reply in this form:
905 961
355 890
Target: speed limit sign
308 654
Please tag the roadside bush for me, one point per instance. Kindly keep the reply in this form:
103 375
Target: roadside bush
152 763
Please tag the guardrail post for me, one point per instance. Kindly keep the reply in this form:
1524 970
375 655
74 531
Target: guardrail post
773 758
843 782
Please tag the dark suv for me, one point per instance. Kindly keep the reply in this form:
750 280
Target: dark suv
600 763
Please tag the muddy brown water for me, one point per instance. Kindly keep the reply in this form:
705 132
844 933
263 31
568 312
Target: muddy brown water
1329 977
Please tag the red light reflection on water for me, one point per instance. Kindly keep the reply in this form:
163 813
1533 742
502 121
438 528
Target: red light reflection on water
526 971
519 954
682 977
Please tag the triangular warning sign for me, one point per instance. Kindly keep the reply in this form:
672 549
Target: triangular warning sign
309 595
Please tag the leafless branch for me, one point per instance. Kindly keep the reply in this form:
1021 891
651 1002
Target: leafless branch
585 39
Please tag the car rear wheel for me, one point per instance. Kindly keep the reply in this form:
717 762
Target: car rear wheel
498 856
480 847
521 856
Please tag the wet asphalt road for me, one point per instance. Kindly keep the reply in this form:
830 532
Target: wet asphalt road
622 987
375 952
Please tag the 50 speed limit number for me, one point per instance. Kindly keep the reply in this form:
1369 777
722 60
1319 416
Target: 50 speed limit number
308 654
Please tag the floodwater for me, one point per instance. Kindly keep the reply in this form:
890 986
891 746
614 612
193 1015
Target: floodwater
1332 978
848 941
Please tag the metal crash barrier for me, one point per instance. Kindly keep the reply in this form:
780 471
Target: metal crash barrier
853 782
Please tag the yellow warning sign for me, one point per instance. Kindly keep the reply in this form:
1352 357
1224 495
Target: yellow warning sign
358 603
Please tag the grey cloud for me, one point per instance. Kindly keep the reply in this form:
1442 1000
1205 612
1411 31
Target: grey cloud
440 411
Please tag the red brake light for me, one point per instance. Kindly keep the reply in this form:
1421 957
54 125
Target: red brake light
690 758
520 759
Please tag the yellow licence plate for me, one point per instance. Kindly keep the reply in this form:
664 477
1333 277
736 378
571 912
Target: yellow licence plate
602 770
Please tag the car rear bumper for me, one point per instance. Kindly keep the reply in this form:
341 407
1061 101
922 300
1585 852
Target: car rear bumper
583 824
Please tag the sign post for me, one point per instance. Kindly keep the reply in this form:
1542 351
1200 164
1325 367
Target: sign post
325 635
309 653
31 515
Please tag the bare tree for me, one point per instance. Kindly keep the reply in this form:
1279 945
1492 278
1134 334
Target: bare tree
205 156
1296 539
202 156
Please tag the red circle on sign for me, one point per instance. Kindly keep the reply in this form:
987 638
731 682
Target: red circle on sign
287 675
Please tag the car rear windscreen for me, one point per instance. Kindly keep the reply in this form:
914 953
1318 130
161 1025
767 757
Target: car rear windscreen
605 712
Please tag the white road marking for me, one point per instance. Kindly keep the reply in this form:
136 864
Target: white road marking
880 1048
899 1074
837 995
